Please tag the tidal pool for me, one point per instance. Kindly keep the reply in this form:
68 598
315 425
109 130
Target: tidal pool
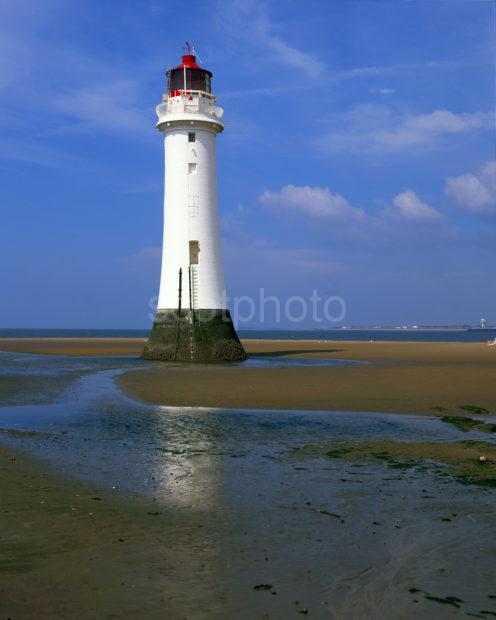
294 536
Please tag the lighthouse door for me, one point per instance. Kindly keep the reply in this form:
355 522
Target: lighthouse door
193 252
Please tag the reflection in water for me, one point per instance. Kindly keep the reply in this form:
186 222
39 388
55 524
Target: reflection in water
270 516
184 454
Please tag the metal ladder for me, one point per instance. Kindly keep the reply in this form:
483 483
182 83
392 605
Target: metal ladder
193 305
194 287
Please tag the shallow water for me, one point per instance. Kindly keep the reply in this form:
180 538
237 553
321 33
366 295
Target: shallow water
271 362
100 435
344 540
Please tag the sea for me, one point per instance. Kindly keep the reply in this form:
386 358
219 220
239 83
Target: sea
393 335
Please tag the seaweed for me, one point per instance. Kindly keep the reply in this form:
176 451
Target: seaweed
481 482
464 424
467 424
403 464
338 453
447 600
473 409
389 459
469 462
383 455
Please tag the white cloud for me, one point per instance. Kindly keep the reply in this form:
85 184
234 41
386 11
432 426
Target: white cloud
299 261
107 105
402 68
475 192
289 55
273 268
382 91
248 20
247 24
425 128
30 151
370 128
80 90
327 76
411 207
318 202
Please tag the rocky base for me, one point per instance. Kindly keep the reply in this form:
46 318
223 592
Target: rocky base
197 336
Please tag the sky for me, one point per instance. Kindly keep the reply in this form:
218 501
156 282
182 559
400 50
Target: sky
358 158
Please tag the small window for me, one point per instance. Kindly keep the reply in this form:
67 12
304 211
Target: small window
194 250
191 168
191 137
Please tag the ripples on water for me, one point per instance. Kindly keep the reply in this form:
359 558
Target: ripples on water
235 469
94 432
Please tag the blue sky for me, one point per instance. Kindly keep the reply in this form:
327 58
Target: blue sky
358 159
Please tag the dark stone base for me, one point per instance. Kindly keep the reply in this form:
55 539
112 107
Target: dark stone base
199 336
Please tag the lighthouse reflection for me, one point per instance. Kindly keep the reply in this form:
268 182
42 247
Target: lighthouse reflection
188 469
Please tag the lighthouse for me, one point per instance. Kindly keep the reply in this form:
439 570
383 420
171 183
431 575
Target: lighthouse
192 321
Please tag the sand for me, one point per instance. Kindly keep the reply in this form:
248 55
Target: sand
347 530
403 377
403 389
70 550
358 536
357 350
427 378
74 346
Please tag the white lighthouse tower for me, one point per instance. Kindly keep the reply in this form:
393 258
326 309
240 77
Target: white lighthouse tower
192 320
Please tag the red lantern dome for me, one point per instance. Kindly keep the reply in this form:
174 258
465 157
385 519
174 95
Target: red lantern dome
188 76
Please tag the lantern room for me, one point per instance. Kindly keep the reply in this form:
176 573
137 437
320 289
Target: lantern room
188 76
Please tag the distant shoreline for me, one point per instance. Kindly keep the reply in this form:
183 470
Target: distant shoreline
144 331
446 334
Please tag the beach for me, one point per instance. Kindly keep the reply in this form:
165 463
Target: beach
74 346
133 488
72 550
402 377
424 378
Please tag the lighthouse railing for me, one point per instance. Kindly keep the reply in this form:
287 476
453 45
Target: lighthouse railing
188 103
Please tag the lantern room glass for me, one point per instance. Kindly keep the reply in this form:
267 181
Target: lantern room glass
196 79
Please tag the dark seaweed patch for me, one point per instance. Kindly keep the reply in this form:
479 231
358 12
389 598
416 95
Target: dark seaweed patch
338 453
473 409
447 600
466 424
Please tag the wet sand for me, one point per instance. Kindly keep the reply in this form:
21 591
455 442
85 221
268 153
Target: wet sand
427 378
225 514
393 388
403 377
355 350
70 550
289 537
74 346
472 462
